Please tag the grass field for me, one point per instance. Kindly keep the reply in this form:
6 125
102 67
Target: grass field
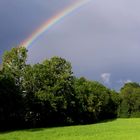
119 129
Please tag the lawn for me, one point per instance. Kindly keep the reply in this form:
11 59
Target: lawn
120 129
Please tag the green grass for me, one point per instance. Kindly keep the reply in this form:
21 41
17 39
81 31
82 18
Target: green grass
120 129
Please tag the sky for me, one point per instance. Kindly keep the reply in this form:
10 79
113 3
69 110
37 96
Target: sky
101 39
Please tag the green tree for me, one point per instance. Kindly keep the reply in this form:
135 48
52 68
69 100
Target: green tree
94 101
11 103
130 97
47 93
48 90
14 62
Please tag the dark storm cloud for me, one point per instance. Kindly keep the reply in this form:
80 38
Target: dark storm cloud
19 18
102 37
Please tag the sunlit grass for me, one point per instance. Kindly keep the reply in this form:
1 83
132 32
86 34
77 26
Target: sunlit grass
119 129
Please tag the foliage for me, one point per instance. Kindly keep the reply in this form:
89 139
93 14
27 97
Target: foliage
94 101
48 88
11 107
130 100
48 94
14 62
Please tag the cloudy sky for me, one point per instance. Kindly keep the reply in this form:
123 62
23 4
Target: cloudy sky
101 39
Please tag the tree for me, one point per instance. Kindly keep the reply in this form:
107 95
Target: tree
130 97
14 62
94 102
48 90
59 83
11 93
47 93
11 103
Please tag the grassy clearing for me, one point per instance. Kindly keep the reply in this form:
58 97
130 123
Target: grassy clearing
119 129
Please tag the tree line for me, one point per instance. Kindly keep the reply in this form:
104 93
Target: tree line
48 94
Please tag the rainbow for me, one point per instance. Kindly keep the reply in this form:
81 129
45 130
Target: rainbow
53 20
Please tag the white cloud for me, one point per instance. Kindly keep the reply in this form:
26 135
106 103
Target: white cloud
127 81
124 81
106 77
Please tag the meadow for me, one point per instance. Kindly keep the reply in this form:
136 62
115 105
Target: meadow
119 129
